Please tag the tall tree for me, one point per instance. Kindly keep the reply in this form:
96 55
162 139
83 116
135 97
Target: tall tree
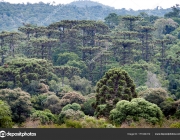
163 43
112 20
146 40
44 47
130 22
114 86
124 50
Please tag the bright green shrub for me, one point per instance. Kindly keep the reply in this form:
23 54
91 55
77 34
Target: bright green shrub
73 106
5 115
135 109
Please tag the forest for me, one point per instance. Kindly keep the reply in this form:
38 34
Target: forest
122 72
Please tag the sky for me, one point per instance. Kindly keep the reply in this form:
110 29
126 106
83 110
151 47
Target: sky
118 4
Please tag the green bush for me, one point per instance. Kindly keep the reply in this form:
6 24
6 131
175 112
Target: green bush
87 107
175 125
73 106
5 115
92 122
177 114
168 108
70 114
46 117
73 124
137 108
154 95
63 58
19 102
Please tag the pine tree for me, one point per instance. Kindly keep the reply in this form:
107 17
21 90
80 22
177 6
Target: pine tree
114 86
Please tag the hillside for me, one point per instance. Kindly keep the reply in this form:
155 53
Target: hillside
14 15
86 3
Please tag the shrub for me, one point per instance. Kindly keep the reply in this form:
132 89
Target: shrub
19 102
70 114
87 107
137 108
52 103
46 117
73 124
91 122
5 115
154 95
168 108
175 125
73 106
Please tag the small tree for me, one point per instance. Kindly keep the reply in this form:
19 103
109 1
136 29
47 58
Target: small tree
46 117
134 110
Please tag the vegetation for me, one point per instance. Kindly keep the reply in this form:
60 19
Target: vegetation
114 86
122 71
5 113
136 109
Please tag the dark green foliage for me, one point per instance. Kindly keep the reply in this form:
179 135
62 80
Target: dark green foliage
154 95
66 71
177 114
115 85
22 71
161 98
5 115
112 20
138 72
65 57
168 108
19 102
79 64
87 107
38 101
135 110
55 104
175 11
81 84
146 47
35 87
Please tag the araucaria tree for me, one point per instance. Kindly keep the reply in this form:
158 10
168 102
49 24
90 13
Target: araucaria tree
115 85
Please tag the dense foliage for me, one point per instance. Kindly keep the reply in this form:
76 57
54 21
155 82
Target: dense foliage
61 73
136 109
5 115
114 86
